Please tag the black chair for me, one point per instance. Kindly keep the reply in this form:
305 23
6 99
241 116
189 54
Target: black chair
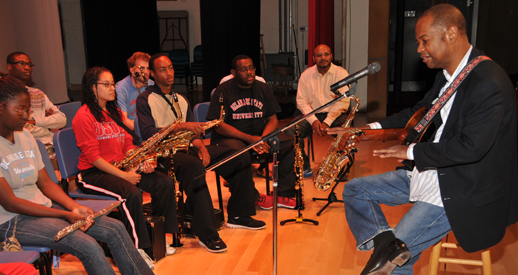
197 64
181 63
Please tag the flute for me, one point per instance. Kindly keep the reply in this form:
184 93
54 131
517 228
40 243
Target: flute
71 228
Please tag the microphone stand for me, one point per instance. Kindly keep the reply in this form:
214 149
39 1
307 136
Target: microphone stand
273 141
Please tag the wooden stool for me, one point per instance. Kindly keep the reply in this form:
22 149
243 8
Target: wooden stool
435 259
282 84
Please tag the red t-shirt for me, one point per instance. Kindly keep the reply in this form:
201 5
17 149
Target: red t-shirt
105 140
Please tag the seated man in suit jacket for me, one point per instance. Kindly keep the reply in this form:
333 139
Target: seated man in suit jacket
465 176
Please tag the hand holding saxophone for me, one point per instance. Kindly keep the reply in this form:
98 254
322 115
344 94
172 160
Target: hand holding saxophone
148 166
319 128
196 127
132 176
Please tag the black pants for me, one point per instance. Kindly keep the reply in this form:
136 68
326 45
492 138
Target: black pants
160 186
286 157
189 170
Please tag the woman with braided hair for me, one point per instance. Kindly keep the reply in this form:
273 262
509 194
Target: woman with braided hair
102 142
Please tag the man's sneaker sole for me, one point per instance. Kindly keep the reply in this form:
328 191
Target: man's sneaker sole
286 206
212 250
231 225
265 208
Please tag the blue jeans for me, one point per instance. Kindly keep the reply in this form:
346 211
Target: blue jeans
40 231
421 227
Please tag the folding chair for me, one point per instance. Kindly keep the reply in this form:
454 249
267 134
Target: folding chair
67 155
70 110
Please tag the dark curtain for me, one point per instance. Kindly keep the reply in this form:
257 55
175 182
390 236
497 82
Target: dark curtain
115 29
321 26
228 28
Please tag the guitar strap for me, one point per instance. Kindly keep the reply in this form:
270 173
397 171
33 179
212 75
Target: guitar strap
418 129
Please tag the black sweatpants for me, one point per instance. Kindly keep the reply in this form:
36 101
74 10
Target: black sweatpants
286 158
189 170
160 186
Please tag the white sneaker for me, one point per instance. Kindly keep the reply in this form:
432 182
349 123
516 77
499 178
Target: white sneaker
146 258
169 249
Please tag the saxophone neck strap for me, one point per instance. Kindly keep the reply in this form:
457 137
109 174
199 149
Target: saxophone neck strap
418 129
136 138
175 97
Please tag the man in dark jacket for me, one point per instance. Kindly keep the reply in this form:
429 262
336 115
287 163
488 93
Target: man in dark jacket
465 176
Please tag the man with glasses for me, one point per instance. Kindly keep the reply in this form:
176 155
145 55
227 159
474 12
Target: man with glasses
313 91
44 115
132 85
251 113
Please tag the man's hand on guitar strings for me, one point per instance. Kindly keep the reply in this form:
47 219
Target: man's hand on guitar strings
396 151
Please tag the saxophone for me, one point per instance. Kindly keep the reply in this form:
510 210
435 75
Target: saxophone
333 164
181 140
148 150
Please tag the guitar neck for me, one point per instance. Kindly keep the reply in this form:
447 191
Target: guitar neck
384 134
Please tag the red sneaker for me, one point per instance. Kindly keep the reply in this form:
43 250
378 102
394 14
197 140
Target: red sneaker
265 202
286 202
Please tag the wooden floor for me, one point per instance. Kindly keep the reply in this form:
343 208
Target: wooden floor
303 248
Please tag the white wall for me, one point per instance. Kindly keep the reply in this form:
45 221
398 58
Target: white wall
358 44
32 26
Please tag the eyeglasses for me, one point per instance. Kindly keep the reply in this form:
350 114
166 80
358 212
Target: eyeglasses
18 111
23 64
107 85
142 68
245 69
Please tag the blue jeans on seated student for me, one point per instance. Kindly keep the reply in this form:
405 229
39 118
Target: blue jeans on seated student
40 231
421 227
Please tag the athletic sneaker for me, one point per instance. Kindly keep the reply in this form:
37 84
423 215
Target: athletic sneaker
146 258
286 202
215 245
169 249
265 202
246 222
308 172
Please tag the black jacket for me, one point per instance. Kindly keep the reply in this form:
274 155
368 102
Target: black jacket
476 158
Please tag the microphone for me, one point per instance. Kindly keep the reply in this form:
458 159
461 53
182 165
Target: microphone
371 69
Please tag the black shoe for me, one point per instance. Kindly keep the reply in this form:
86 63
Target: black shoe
246 222
384 259
215 245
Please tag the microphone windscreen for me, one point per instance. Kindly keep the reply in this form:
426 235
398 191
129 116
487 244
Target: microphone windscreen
374 67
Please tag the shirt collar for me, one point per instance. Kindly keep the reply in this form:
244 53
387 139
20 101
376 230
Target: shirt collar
332 70
459 68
